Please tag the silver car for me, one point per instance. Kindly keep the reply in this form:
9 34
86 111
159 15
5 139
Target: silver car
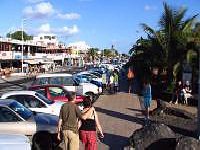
17 119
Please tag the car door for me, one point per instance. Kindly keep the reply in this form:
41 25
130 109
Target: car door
11 123
57 93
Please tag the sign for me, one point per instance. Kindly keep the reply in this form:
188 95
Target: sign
5 55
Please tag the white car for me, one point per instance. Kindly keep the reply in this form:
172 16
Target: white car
14 141
67 81
34 101
92 75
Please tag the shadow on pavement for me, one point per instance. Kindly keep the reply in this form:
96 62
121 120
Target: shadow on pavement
115 142
138 110
120 115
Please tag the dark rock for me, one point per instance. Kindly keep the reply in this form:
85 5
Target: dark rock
188 143
145 137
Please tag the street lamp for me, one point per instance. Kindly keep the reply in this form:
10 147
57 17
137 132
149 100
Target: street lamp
22 45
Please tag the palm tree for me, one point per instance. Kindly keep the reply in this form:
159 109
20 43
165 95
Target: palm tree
93 53
172 36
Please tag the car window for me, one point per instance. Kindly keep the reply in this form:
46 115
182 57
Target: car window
56 91
41 81
33 101
20 99
42 97
68 80
21 110
55 80
41 91
7 115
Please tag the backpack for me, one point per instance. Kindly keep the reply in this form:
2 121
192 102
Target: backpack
130 74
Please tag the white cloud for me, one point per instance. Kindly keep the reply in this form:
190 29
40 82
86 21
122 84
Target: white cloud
149 8
40 10
68 16
45 28
68 31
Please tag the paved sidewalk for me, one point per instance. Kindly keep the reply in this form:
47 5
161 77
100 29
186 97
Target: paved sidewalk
120 115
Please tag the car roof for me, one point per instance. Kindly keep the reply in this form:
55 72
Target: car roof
25 92
54 75
46 85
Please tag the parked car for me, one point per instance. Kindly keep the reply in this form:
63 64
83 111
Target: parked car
34 101
91 75
87 79
14 141
56 93
66 80
17 119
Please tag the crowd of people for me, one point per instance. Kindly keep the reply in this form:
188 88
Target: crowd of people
182 93
110 81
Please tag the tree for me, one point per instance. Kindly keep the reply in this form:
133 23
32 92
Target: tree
93 52
107 52
172 36
18 36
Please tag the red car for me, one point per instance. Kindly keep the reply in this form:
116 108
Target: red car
55 92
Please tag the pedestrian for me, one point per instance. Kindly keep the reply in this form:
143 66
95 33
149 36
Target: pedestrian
116 81
68 122
187 92
178 93
107 79
147 98
111 83
87 130
130 76
104 82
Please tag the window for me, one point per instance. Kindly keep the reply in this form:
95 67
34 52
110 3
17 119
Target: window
7 115
43 98
55 80
29 101
68 81
56 91
33 101
41 81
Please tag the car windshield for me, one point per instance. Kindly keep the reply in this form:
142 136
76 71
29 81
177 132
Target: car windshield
24 112
43 98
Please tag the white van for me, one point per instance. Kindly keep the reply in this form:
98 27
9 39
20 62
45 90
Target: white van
66 80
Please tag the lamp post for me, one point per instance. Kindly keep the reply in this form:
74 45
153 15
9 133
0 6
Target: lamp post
22 45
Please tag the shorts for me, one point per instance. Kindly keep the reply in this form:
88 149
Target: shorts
147 102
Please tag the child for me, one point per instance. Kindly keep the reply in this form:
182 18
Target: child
147 98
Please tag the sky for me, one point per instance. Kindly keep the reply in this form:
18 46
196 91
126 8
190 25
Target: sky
100 23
